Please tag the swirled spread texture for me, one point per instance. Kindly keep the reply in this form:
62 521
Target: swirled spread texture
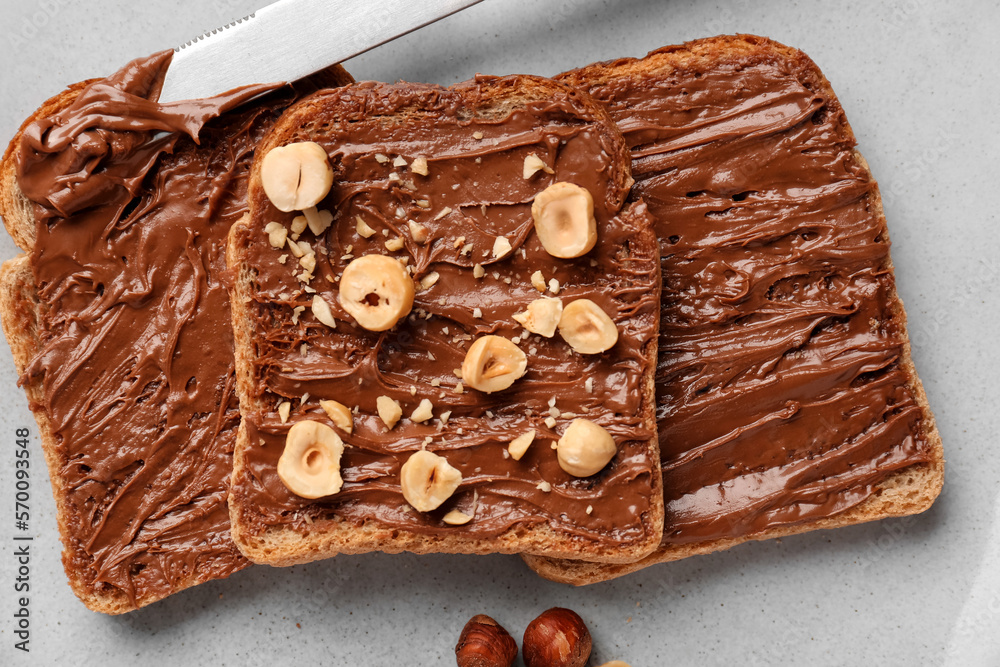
133 201
472 193
783 392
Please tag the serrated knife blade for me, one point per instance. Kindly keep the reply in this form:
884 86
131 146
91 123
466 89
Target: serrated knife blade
291 39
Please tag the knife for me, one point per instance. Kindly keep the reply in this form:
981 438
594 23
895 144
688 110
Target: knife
291 39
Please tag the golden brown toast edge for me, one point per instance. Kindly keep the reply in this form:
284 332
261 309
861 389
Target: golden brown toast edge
19 314
283 547
908 491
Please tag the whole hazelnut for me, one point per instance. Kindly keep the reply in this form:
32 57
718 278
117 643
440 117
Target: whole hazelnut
557 638
485 643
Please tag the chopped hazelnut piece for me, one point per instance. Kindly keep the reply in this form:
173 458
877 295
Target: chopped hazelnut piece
318 221
276 234
456 518
418 232
339 414
501 247
538 281
363 229
395 244
419 166
478 271
429 280
423 412
519 445
308 262
541 317
389 411
284 409
533 164
321 310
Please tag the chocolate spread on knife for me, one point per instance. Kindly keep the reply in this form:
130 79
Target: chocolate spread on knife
474 192
133 201
781 398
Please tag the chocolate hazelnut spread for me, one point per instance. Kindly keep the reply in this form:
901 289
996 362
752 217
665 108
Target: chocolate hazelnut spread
781 397
133 201
473 193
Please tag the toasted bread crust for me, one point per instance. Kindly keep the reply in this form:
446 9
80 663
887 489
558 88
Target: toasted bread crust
287 546
21 312
908 491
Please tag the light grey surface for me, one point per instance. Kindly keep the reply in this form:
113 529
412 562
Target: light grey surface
917 79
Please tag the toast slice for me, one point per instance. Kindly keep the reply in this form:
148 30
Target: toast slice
787 396
118 322
435 177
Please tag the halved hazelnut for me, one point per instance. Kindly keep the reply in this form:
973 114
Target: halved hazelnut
427 480
296 176
376 291
564 220
542 316
585 448
493 363
587 328
310 463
